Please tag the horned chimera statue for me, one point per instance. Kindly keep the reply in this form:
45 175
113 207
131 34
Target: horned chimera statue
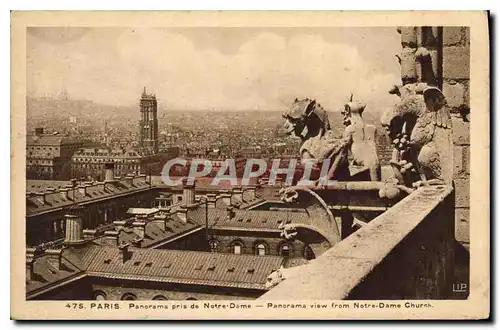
309 121
420 128
362 138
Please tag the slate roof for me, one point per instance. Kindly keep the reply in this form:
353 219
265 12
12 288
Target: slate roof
167 266
94 192
42 185
189 267
154 234
47 272
247 219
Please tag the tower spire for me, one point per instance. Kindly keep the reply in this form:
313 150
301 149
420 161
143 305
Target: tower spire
144 91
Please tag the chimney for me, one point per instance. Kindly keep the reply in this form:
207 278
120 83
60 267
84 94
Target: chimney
39 131
226 197
251 192
182 213
139 227
238 193
82 189
74 229
119 224
126 254
111 238
64 193
211 200
188 191
109 172
40 197
129 179
143 177
230 212
89 234
30 263
161 219
56 257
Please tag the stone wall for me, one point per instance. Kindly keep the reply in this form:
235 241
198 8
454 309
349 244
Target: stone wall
405 253
118 290
450 49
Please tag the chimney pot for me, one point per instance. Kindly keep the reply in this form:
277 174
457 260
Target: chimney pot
230 212
126 254
139 228
111 238
89 234
119 224
30 263
211 200
109 172
182 213
64 193
74 229
251 192
56 256
226 197
161 219
41 197
188 191
82 189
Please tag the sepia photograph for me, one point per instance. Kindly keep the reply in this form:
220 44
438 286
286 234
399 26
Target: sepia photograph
307 169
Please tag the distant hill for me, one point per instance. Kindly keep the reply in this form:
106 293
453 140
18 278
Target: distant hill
47 107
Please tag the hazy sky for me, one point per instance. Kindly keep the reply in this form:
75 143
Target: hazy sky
221 68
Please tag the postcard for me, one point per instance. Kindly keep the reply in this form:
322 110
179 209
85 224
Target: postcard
250 165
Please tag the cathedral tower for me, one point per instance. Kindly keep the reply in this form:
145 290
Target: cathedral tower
148 125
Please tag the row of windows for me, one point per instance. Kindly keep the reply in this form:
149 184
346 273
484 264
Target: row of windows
40 162
99 295
103 160
260 248
43 148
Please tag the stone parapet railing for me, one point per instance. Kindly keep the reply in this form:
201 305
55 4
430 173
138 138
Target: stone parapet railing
405 253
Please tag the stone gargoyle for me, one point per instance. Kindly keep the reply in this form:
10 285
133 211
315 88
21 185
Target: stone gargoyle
419 126
307 120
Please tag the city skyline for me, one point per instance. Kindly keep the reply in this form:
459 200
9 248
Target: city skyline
215 68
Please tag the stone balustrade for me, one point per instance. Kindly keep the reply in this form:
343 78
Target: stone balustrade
405 253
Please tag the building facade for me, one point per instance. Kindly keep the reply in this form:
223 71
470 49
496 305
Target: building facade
89 163
48 156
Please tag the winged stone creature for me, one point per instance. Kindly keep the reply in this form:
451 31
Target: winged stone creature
420 128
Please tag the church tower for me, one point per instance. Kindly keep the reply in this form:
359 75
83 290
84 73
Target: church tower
148 125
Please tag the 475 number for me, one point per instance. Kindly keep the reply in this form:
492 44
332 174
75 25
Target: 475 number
75 305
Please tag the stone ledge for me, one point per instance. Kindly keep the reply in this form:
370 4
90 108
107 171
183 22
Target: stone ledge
342 268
